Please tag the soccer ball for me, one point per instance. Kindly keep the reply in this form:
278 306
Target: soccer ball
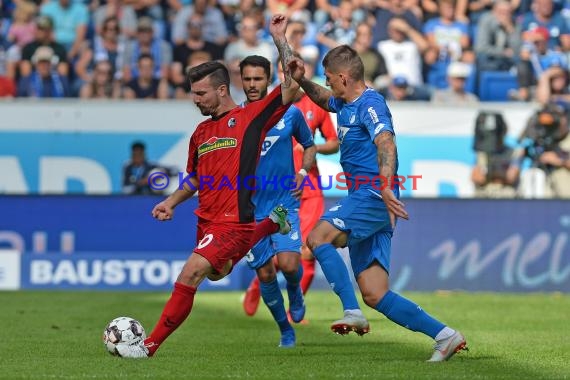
122 330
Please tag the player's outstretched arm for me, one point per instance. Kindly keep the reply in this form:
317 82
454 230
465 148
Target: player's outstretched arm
387 163
318 94
277 29
165 209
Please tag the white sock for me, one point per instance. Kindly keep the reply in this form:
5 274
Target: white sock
354 312
445 333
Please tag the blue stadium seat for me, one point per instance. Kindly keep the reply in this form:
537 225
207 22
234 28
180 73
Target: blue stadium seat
494 86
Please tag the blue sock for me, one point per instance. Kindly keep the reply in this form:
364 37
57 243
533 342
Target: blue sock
293 279
337 275
273 298
407 314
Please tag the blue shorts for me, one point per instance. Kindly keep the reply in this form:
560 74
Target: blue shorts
271 245
364 217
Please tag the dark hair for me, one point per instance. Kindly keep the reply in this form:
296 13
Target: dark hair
138 145
256 61
344 57
145 56
217 72
109 20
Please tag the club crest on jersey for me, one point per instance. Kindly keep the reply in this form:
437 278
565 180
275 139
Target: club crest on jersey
232 122
215 143
352 118
280 125
309 115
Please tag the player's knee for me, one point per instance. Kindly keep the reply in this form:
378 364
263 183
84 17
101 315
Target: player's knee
266 276
373 298
267 273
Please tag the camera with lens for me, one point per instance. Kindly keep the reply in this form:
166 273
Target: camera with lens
544 130
494 155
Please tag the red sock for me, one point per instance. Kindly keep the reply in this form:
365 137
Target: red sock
308 274
264 228
175 311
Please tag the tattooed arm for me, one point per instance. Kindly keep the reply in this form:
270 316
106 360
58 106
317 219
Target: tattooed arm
318 94
277 28
386 148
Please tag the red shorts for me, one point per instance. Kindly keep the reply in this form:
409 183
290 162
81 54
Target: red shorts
220 242
310 212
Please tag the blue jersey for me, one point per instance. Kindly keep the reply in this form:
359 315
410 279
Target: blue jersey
276 170
358 123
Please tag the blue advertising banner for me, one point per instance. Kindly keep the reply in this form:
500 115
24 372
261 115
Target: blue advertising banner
112 242
110 271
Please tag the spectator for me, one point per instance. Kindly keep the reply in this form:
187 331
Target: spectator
44 80
402 9
496 170
193 44
145 85
403 51
497 41
375 71
70 19
553 87
236 85
7 85
341 31
329 10
147 43
293 9
213 23
543 15
457 73
107 47
471 11
8 63
44 37
448 41
102 84
136 171
400 90
118 10
182 90
296 33
23 28
535 57
249 43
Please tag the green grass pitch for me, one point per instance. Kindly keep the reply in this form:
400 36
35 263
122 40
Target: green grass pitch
57 335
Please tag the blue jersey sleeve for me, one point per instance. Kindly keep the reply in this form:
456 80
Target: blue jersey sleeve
376 117
301 130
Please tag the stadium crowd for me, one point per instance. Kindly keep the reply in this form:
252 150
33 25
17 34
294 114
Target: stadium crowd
412 49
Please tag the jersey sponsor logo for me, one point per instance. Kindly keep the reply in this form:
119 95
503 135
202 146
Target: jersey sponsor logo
215 143
267 144
280 125
378 128
249 257
373 115
232 122
335 208
205 240
342 131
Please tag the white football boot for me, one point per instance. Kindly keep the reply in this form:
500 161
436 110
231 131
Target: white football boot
446 348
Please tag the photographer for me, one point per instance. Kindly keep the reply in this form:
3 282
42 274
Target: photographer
496 171
547 144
